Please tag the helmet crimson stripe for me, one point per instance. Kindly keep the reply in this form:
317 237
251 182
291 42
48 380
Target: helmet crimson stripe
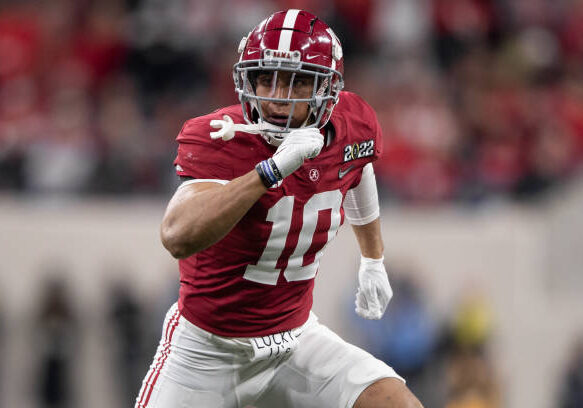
286 32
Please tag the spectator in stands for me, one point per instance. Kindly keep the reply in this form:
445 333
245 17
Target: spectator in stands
56 341
470 377
127 320
407 336
571 391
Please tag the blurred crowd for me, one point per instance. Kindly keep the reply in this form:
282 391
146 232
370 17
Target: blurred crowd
448 362
129 329
477 98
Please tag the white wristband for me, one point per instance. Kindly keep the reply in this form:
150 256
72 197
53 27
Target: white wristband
361 205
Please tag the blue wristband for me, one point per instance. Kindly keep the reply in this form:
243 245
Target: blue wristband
268 171
274 169
266 174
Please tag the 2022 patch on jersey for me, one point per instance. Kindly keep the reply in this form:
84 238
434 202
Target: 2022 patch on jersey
258 279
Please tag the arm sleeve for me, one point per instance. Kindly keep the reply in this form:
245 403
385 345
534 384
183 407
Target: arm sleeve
361 204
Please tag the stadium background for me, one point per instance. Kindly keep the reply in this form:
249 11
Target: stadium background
481 103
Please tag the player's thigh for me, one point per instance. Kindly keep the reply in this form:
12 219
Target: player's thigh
325 371
387 393
188 369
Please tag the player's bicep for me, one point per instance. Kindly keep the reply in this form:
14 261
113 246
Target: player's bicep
186 194
197 184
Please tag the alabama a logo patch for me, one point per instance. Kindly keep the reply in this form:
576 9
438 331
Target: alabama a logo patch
314 175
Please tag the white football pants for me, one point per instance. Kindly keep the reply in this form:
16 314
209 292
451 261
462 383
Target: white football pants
193 368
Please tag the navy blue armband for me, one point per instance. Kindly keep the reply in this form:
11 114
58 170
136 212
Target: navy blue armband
266 173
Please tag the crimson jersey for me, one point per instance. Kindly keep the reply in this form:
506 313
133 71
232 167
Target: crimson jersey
258 279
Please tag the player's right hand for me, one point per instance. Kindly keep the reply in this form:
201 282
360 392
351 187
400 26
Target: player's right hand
299 145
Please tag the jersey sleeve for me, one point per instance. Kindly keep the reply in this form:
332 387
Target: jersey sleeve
198 155
373 128
376 133
365 134
378 137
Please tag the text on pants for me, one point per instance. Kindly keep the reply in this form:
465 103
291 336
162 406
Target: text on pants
274 345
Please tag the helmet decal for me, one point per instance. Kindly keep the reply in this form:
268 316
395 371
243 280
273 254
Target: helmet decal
287 29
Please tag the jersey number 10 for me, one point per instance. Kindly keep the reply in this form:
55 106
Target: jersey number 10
265 271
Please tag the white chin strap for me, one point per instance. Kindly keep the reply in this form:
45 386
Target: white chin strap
227 128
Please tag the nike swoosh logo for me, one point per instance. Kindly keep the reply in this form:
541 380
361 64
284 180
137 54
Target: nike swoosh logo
342 173
249 52
311 57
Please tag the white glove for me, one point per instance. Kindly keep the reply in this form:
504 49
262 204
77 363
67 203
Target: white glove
299 145
374 290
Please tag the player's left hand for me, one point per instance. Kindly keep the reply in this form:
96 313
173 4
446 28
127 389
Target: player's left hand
374 290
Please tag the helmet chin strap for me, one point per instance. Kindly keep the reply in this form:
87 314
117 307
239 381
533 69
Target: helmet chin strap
227 128
273 134
276 138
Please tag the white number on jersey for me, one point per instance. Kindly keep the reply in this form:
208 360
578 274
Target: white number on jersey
280 215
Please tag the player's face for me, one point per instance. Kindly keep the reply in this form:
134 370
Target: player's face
278 84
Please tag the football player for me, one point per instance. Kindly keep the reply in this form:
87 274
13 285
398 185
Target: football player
266 185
